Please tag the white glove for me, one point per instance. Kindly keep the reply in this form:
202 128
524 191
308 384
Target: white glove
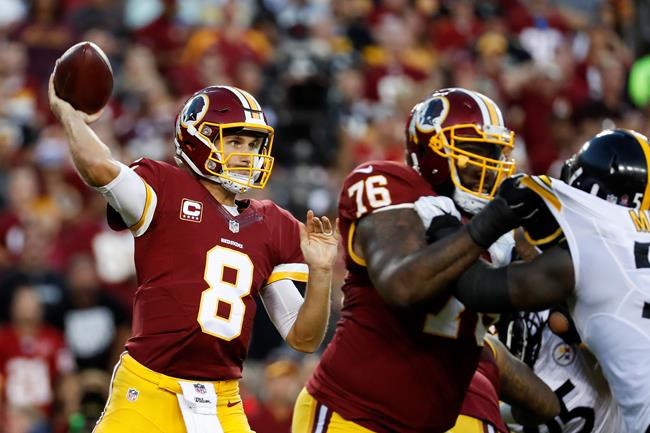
430 207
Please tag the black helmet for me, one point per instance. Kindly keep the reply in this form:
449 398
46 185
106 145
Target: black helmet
613 165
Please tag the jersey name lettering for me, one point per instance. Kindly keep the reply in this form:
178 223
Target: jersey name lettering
640 220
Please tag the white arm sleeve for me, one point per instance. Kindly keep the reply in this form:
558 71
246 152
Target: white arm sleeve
132 198
282 301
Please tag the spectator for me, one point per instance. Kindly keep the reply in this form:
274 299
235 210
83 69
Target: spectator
279 391
94 323
34 359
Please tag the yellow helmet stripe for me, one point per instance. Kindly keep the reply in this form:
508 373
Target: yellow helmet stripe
643 141
252 109
480 102
257 110
494 117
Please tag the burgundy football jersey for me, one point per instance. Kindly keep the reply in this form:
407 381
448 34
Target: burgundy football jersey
482 398
385 369
198 270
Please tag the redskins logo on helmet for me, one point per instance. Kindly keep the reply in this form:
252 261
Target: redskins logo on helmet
206 118
457 129
612 165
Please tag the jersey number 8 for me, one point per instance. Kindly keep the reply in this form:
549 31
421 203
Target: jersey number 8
217 259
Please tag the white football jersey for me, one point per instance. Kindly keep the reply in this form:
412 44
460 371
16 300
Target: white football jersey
587 403
610 248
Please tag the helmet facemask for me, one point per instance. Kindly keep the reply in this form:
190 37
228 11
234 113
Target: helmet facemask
220 162
483 150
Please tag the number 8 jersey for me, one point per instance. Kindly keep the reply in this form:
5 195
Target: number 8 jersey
385 369
610 249
199 269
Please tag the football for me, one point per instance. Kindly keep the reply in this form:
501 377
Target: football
84 78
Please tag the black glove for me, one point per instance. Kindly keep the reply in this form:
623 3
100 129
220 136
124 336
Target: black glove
442 226
512 206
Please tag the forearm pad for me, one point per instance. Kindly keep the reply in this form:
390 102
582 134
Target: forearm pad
484 289
495 220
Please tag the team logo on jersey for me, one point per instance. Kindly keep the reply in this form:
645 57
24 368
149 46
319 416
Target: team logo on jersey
233 226
132 394
564 354
200 388
191 210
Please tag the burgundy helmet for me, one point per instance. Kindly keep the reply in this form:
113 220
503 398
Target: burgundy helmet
200 128
449 117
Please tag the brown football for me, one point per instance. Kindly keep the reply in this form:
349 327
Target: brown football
84 77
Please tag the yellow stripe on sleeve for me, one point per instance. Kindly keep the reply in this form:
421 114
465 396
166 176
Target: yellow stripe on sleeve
147 204
355 258
543 241
547 195
295 276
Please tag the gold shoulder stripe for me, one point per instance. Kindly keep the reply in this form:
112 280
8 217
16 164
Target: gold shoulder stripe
542 191
147 204
355 258
544 178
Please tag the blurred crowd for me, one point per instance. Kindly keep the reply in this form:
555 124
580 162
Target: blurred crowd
337 79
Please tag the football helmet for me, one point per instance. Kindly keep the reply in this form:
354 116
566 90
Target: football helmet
201 125
612 165
438 128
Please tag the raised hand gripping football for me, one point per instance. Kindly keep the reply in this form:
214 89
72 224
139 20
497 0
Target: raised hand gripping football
62 108
319 241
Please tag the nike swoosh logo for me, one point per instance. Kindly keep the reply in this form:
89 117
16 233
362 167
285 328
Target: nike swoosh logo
366 170
231 404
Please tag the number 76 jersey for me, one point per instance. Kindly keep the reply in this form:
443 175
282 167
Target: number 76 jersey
199 269
385 369
610 249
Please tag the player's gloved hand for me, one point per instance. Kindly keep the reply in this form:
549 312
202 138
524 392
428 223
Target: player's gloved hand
512 206
439 215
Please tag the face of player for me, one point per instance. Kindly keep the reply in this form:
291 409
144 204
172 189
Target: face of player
243 149
470 175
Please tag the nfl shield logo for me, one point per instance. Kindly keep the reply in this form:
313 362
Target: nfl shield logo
234 226
200 388
132 394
